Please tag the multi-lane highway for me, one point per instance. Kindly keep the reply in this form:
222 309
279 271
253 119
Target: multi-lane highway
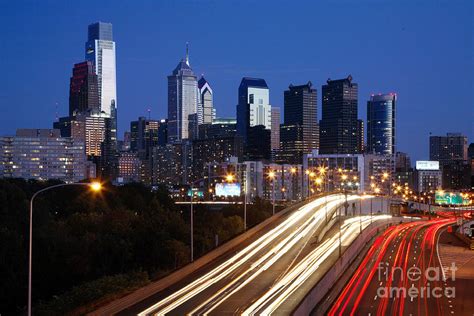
401 275
267 274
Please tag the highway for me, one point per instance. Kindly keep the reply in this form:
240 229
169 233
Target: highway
401 275
267 274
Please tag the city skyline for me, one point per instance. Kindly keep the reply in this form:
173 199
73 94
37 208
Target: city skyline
141 76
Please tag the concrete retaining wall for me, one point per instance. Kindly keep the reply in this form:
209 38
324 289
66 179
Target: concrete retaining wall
330 278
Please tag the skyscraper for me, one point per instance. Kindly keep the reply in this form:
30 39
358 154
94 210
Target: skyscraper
146 134
338 127
446 149
452 153
205 106
254 106
301 110
360 136
381 124
275 128
182 99
100 50
83 89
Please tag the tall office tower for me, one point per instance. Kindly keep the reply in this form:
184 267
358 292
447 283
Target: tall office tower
182 99
338 126
205 106
83 89
100 51
275 138
301 109
144 135
452 153
360 136
254 106
446 149
381 110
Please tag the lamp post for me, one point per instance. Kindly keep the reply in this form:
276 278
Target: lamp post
344 178
271 175
360 213
245 199
293 184
94 186
340 239
229 178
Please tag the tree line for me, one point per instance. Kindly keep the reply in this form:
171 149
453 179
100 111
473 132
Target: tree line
89 247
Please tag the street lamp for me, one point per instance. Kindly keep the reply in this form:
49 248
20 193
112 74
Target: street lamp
93 186
271 176
293 184
229 178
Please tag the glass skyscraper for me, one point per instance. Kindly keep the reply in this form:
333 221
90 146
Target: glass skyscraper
254 106
182 100
205 108
301 109
339 132
100 50
381 124
83 89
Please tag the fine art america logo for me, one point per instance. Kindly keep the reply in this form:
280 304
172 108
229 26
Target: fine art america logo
415 283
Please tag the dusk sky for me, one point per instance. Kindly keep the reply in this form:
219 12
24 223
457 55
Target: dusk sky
422 50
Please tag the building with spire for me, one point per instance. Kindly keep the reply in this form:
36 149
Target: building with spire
182 100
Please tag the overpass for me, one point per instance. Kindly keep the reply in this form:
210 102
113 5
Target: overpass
270 268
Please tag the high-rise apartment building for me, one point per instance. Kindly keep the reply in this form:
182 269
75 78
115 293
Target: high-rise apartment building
381 116
182 100
83 89
339 125
42 154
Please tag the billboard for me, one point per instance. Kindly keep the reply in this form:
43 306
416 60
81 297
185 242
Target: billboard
450 198
228 189
427 165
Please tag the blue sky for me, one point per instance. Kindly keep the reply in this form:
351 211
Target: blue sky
422 50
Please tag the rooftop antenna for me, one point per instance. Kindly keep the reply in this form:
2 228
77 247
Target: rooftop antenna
149 114
187 53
